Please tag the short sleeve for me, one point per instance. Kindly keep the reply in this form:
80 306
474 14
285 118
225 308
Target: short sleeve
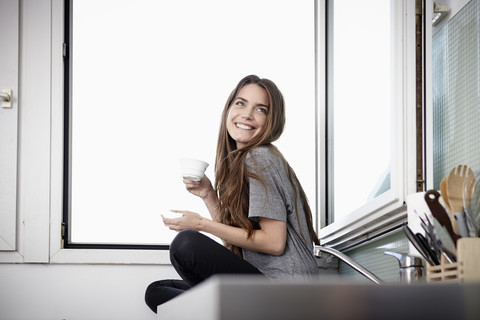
269 200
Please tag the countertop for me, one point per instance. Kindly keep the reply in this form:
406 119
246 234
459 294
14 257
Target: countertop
250 297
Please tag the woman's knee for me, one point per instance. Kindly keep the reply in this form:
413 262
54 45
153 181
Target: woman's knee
162 291
151 296
186 248
184 240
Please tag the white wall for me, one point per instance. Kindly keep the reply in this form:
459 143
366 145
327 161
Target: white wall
83 292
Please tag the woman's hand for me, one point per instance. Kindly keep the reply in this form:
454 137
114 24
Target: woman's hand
188 220
270 238
200 188
205 191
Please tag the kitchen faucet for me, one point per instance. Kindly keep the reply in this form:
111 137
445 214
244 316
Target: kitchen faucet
319 250
411 268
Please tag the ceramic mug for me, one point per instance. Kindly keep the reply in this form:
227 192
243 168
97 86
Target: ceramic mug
193 169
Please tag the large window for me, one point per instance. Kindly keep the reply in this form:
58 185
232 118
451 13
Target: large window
369 56
360 102
148 82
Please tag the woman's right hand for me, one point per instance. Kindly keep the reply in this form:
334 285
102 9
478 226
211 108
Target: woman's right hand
199 188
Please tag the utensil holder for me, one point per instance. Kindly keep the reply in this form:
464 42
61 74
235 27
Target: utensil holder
466 269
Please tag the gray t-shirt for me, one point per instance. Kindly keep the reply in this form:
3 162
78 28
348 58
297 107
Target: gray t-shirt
297 260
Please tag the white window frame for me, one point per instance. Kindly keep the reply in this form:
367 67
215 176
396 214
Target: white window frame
33 162
388 210
428 82
9 31
40 145
82 227
57 253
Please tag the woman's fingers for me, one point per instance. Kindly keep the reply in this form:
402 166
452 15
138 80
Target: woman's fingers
192 187
190 183
198 188
187 220
170 223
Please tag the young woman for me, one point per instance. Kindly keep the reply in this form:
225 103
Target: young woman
257 205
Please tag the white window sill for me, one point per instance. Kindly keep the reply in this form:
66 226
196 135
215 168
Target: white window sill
365 223
111 256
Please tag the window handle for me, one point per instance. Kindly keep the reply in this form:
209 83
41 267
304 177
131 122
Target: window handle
6 97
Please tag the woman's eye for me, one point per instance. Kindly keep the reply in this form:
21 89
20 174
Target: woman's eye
239 103
263 110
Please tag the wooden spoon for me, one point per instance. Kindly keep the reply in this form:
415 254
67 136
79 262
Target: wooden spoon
443 192
455 181
468 192
440 214
468 188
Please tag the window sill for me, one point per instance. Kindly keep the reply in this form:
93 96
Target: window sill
110 256
365 223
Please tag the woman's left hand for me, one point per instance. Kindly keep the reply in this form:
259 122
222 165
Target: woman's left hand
188 220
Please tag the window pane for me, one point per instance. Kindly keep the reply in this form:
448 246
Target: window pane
150 79
359 102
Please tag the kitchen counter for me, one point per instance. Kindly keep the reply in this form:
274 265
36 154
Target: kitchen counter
247 297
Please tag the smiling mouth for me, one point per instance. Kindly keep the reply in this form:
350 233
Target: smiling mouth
243 126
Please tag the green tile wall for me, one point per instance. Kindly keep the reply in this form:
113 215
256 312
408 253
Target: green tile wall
456 93
371 256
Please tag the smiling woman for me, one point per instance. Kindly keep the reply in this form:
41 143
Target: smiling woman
257 205
146 93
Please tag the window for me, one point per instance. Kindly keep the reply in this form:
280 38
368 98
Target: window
359 103
39 209
368 87
148 82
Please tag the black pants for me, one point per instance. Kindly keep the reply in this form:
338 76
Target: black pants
195 257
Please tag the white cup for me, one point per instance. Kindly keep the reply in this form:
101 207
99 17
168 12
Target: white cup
193 169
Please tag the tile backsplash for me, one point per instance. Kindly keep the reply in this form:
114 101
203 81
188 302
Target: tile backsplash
371 256
456 93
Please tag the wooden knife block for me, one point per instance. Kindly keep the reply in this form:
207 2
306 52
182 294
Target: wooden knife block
465 270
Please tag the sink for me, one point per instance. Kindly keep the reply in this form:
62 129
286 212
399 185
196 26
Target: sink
252 297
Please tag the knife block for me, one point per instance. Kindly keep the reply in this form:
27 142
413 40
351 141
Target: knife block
465 270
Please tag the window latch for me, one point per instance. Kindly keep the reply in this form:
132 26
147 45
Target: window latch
6 97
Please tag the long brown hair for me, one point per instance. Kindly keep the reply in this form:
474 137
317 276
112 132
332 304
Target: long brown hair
231 177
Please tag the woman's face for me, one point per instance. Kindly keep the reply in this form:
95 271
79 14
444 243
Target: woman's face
248 114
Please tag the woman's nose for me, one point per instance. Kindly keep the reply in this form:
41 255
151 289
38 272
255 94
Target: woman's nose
247 114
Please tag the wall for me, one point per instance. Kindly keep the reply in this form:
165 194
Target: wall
83 292
371 256
456 92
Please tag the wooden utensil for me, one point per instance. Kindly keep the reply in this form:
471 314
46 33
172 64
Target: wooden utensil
468 194
468 188
443 191
455 181
439 212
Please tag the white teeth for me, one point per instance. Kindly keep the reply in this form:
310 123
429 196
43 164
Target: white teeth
242 126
